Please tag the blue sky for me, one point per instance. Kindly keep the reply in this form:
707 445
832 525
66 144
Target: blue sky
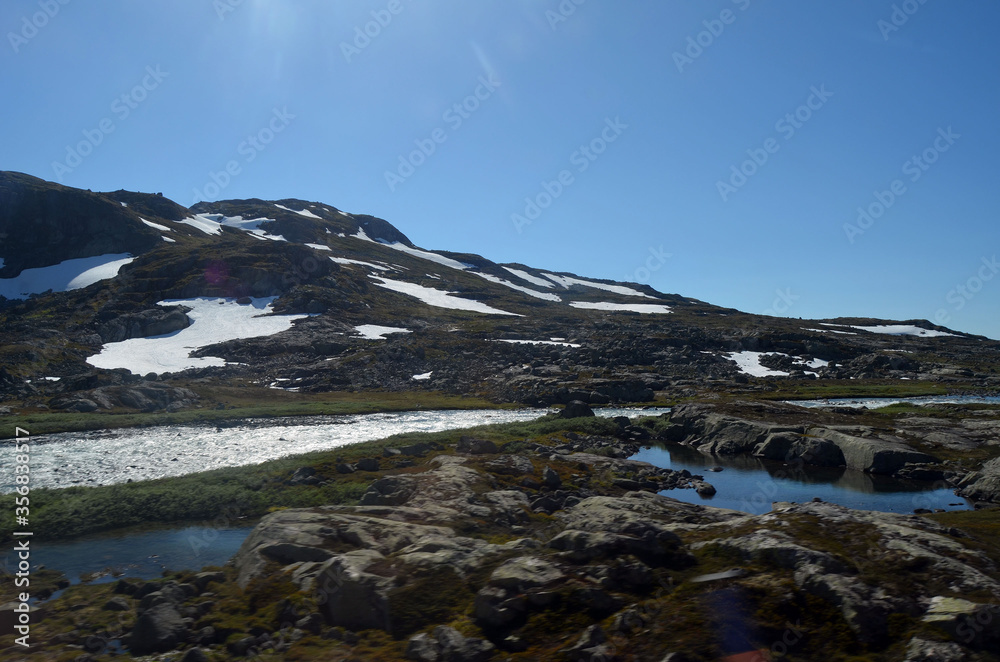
719 149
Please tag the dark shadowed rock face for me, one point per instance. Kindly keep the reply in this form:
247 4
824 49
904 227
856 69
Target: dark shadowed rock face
43 223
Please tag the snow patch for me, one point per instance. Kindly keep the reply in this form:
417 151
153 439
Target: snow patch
534 280
904 330
567 282
204 223
67 275
648 308
168 239
304 212
344 260
157 226
376 332
749 364
422 376
547 296
319 247
438 298
213 320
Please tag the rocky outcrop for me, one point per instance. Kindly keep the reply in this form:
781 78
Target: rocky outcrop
144 396
713 432
153 322
984 484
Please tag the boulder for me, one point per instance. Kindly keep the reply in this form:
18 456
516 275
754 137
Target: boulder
526 572
576 409
389 491
352 598
872 455
158 629
475 446
982 485
973 624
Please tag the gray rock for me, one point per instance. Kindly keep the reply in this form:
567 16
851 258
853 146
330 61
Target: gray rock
510 465
423 648
203 579
525 572
982 485
367 464
389 491
475 446
351 597
158 629
550 478
973 624
457 648
922 650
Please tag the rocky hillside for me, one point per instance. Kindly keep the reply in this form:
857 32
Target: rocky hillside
369 310
552 547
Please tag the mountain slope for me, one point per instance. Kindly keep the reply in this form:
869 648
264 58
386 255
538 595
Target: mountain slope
373 311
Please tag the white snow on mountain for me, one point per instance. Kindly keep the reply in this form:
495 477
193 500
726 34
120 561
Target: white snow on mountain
67 275
904 330
422 376
438 298
846 333
168 239
534 280
648 308
151 224
204 223
568 281
416 252
213 320
547 296
319 247
376 332
304 212
344 260
749 364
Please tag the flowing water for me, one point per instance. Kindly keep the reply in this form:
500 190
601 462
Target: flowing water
874 403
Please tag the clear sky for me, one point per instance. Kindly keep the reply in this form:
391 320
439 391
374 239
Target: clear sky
719 149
